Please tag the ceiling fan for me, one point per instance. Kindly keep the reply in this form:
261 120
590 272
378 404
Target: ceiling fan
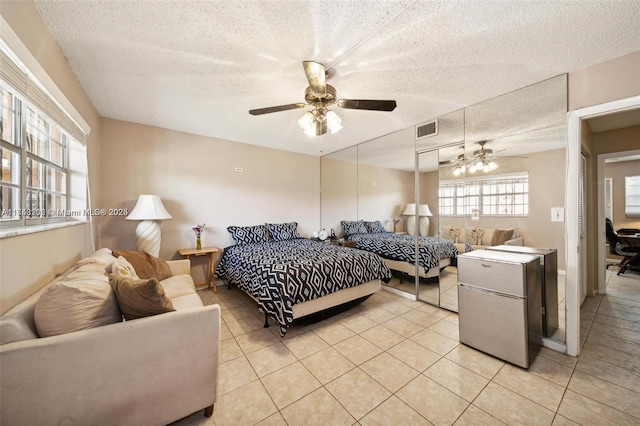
481 160
320 96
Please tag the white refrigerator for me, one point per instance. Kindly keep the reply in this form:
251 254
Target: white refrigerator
500 304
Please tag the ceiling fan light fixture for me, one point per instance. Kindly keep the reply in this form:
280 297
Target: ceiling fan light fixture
493 166
306 122
334 122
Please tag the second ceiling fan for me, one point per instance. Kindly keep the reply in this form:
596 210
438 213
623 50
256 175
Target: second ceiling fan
320 96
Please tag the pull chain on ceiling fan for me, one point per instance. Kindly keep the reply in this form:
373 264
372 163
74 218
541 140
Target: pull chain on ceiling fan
320 95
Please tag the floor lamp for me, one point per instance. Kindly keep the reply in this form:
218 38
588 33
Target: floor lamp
424 213
149 209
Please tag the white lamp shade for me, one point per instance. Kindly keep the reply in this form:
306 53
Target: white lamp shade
149 207
410 210
423 210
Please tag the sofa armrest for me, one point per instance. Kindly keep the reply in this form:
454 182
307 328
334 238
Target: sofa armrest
151 370
515 242
181 266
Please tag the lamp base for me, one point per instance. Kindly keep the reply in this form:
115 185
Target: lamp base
411 225
424 226
148 237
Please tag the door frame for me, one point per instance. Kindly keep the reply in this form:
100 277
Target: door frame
574 144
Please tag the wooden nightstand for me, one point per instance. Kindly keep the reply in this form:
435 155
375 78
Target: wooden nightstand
214 254
345 243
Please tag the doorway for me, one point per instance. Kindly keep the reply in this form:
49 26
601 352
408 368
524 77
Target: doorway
574 276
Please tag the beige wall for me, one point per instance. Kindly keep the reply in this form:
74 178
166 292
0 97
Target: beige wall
383 194
339 197
30 261
609 81
195 177
617 172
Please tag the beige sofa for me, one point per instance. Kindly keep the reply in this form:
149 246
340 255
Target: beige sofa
480 238
147 371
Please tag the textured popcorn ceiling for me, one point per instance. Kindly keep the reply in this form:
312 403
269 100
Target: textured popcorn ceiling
200 66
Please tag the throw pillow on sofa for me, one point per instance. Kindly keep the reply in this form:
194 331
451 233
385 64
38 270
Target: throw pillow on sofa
145 265
474 236
140 298
121 266
501 236
82 300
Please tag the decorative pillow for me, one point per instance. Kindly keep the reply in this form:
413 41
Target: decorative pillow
76 304
250 234
103 255
121 266
374 227
145 265
283 231
501 236
467 247
140 298
453 234
475 235
353 227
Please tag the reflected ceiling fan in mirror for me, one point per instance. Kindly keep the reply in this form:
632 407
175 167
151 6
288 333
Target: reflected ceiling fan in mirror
320 96
481 160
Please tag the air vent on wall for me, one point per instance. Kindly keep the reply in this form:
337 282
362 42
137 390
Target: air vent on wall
427 129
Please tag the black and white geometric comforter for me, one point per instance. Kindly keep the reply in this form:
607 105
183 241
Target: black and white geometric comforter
401 247
281 274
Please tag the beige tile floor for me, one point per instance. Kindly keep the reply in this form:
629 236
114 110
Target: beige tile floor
392 361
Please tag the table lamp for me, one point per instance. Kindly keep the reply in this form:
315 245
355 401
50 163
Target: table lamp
424 213
149 210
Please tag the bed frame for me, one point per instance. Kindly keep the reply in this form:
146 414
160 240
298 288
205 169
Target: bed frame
330 300
410 269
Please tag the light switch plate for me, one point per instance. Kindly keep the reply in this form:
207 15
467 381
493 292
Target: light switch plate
557 214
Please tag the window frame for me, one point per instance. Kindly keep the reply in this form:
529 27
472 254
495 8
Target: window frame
474 197
627 196
22 213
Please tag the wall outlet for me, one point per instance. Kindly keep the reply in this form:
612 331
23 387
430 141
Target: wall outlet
557 214
238 169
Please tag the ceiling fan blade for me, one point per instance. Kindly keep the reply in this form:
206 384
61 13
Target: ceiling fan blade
317 76
371 105
279 108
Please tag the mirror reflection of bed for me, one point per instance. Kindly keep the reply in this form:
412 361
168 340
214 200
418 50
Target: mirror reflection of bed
525 131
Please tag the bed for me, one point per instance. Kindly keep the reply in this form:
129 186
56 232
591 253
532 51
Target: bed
398 250
291 277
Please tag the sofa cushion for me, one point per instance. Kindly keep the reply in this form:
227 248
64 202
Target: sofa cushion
140 298
501 236
145 265
178 285
187 301
81 301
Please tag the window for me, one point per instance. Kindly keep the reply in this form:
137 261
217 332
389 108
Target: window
35 150
505 195
632 196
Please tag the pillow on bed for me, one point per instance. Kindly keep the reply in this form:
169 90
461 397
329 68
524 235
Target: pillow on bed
283 231
350 227
374 227
249 234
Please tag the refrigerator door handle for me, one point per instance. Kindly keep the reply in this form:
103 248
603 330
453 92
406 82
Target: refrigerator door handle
484 290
